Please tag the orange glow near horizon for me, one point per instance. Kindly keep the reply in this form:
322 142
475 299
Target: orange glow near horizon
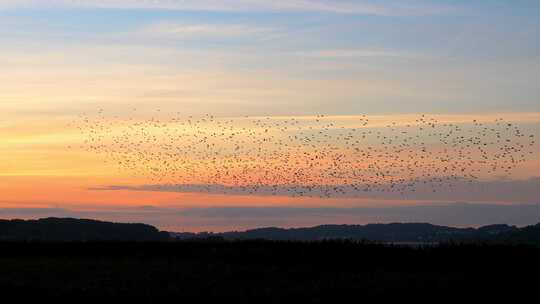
38 169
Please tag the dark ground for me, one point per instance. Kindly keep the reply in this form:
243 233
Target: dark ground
270 270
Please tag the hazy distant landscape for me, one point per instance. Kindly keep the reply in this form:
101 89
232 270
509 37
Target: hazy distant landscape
83 230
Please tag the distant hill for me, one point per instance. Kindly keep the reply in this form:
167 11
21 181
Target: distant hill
69 229
395 233
529 234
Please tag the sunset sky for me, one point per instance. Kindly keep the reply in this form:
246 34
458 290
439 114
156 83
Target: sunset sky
455 61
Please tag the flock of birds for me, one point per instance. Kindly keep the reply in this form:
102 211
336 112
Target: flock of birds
304 156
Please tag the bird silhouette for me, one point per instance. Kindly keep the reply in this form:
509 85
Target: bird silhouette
319 156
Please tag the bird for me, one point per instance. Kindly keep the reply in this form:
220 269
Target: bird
314 156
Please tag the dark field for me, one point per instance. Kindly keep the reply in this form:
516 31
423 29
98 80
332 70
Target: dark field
272 270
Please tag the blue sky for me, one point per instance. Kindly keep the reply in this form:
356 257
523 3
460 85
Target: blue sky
405 56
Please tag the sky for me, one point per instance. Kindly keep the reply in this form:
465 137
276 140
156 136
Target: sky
391 60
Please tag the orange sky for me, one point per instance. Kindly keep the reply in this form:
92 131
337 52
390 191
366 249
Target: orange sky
37 169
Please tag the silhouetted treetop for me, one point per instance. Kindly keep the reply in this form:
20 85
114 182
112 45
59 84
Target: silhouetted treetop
70 229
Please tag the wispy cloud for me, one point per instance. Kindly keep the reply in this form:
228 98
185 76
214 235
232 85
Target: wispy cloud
328 6
354 53
188 31
501 190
